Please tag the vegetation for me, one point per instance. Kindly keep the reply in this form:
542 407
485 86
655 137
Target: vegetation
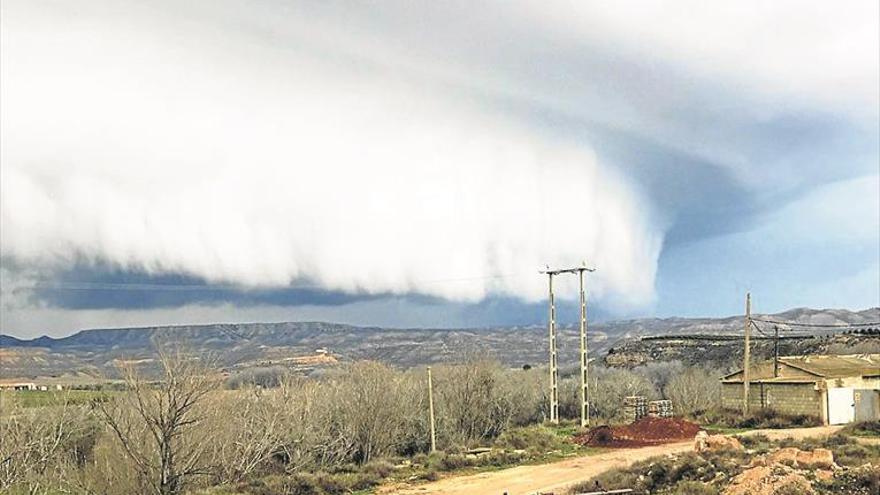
43 398
718 418
863 429
708 472
191 430
671 474
185 432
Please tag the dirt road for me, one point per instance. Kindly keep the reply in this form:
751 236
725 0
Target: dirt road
557 476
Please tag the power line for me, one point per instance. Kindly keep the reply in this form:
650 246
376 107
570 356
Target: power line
756 327
818 325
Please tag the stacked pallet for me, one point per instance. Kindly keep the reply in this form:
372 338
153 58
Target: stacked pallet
635 407
660 408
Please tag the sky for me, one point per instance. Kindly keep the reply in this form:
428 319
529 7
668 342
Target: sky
415 164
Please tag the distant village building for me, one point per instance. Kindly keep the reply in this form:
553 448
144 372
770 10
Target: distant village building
18 386
836 389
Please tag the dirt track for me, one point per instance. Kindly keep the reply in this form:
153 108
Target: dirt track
557 476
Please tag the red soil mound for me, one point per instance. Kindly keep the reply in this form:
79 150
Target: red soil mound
646 431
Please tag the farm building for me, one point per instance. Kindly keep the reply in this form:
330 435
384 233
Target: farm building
837 389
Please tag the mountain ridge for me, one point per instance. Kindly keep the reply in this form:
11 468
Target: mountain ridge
240 345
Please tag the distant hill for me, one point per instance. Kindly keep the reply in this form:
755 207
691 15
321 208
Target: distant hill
237 346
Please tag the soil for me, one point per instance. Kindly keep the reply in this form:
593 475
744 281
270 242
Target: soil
558 476
646 431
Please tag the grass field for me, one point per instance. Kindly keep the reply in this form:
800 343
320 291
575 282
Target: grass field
43 398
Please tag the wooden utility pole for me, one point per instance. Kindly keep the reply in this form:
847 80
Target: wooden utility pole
776 351
431 410
747 352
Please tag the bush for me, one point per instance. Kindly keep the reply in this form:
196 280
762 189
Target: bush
762 418
668 474
860 481
608 387
694 488
863 429
312 484
535 439
694 390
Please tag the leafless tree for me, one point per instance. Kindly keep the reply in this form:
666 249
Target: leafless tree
470 402
694 390
39 445
608 387
160 425
368 409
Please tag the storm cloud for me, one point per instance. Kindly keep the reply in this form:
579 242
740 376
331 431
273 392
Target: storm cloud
333 153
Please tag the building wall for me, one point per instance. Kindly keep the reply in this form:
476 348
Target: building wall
854 382
788 398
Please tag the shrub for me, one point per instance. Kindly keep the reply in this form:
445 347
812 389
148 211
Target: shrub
863 429
694 488
535 439
694 390
379 469
762 418
860 481
667 474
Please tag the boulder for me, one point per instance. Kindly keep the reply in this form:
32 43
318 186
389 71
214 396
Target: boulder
791 456
704 442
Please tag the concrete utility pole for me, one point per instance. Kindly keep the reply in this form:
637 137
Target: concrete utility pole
585 405
554 372
747 352
431 410
554 364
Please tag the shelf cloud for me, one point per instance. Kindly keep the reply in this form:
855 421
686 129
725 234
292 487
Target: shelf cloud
436 150
143 152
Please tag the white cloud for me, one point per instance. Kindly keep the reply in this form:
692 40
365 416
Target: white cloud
147 147
822 54
365 149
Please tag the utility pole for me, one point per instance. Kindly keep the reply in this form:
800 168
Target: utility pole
554 372
585 405
554 364
431 410
776 351
747 352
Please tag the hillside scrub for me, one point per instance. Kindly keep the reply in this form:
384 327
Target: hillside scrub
188 431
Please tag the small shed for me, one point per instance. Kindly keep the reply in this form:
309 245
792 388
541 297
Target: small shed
836 389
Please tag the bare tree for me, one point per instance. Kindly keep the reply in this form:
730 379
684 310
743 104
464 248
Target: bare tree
608 387
367 409
39 445
694 390
158 424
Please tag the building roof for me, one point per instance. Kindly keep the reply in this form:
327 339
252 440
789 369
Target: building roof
804 369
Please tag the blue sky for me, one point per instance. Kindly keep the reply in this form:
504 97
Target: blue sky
416 164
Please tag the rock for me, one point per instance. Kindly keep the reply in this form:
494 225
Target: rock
791 456
818 458
763 480
824 475
704 442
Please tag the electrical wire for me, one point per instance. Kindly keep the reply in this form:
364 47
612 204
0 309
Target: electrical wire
818 325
